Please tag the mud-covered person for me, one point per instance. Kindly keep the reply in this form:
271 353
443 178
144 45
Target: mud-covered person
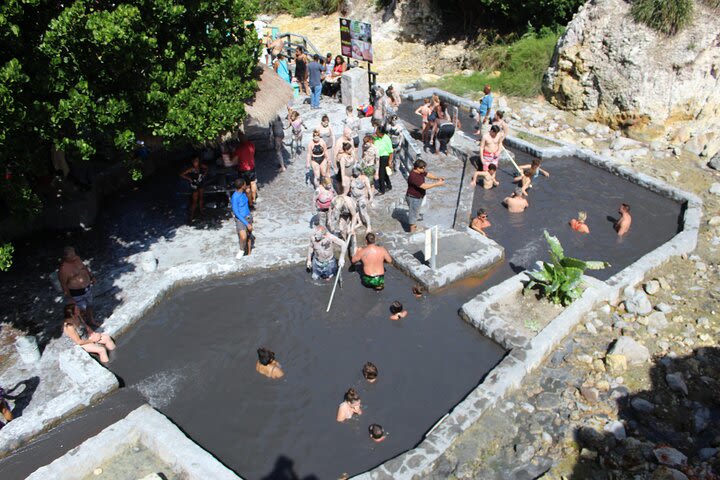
373 258
77 282
321 253
243 219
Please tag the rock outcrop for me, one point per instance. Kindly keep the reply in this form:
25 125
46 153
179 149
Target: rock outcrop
629 76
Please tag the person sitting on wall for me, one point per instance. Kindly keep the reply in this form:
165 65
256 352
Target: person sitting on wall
267 365
75 328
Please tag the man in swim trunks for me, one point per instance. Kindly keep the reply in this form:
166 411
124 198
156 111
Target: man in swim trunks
623 224
321 254
76 281
490 147
516 203
373 258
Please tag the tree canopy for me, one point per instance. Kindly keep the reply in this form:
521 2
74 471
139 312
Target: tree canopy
90 76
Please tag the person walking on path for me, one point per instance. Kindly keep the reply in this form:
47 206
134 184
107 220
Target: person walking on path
277 133
315 71
384 147
243 218
245 153
77 281
282 68
301 74
484 112
417 187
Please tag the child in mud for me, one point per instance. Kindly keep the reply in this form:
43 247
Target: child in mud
488 176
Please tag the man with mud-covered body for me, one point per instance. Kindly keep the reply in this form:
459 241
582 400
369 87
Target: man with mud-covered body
373 258
76 281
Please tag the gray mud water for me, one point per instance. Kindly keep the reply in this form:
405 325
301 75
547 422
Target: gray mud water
573 185
193 357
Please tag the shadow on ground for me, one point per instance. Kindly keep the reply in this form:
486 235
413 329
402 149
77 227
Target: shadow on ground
671 431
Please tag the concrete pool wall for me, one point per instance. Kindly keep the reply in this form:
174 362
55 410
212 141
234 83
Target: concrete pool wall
523 356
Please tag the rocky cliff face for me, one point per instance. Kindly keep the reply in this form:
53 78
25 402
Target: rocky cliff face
629 76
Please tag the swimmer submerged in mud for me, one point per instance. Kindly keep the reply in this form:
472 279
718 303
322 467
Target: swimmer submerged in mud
373 258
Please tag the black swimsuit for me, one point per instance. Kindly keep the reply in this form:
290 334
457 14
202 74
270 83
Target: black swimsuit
318 153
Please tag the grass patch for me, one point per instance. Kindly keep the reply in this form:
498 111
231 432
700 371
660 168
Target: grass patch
666 16
521 64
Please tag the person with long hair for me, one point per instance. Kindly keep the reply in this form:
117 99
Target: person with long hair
75 328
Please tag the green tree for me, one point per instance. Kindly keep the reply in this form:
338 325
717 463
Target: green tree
89 76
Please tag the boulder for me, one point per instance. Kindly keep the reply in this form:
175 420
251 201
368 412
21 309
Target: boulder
652 287
615 363
714 162
641 405
715 188
666 473
603 39
676 382
670 457
634 352
616 429
637 302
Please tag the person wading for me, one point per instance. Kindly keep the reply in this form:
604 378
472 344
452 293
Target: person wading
373 258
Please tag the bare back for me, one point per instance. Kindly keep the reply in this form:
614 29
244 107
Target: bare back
373 258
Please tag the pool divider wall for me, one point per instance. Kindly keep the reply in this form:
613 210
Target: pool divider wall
151 429
87 381
524 358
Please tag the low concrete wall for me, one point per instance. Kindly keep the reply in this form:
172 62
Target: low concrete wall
89 381
153 430
528 354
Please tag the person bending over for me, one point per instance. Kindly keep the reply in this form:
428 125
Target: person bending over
75 328
267 365
373 258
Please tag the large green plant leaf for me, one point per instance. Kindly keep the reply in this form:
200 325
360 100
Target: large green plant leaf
573 262
556 251
596 265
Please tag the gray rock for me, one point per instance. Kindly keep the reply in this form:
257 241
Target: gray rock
591 328
657 320
703 322
675 382
715 162
537 468
525 453
617 429
547 401
527 407
666 473
638 303
652 287
590 394
634 352
707 453
663 307
641 405
701 419
670 457
715 188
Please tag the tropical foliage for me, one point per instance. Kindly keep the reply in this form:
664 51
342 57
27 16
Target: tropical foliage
89 76
560 280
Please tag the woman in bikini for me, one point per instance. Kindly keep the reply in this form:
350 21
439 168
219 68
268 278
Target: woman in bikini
361 192
317 157
267 365
350 406
75 328
345 164
324 195
297 125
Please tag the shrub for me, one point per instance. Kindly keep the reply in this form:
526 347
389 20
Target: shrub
560 281
521 63
711 3
6 253
666 16
300 8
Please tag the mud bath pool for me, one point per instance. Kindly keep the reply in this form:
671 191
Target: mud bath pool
193 358
575 185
